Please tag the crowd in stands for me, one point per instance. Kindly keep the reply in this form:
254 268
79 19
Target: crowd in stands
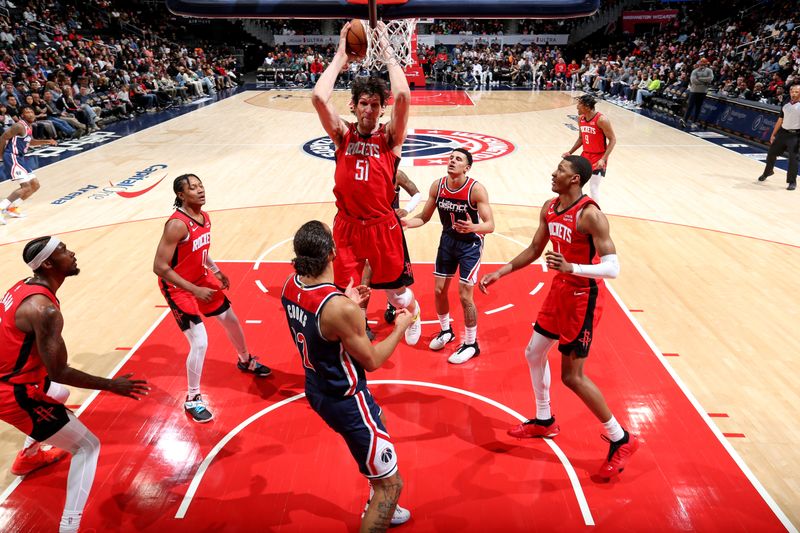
82 65
755 55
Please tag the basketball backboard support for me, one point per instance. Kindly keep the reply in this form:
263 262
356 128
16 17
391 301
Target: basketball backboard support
342 9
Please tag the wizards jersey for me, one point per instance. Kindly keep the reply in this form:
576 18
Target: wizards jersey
329 368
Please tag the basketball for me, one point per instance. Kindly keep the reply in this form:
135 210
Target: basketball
356 45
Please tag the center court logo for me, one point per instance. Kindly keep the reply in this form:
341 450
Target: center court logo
429 147
130 187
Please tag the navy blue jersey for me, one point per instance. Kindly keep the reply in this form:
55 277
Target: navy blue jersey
329 368
17 145
456 205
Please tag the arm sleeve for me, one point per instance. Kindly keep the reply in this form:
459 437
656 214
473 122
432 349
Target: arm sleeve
608 267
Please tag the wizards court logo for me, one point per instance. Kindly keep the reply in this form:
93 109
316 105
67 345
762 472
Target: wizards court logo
429 147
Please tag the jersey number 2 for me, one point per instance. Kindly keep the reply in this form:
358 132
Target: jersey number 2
362 170
302 346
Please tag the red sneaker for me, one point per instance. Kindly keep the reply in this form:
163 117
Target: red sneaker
24 464
619 454
533 429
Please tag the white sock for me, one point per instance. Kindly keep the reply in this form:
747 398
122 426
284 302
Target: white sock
613 430
70 522
233 328
31 446
444 321
17 202
198 344
536 355
4 204
470 334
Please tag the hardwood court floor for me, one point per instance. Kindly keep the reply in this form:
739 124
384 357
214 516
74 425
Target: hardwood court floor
703 246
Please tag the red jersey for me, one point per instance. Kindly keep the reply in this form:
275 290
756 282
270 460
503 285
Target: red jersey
561 68
20 362
189 260
576 247
593 138
365 170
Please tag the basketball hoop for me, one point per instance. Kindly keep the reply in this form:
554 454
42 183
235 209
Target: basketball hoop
389 42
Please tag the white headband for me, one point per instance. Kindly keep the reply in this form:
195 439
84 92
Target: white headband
44 254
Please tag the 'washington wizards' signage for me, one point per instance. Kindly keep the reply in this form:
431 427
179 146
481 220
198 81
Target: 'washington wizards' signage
429 147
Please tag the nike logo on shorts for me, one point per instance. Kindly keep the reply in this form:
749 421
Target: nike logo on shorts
393 227
579 293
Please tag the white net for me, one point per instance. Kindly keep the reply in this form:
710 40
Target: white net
389 42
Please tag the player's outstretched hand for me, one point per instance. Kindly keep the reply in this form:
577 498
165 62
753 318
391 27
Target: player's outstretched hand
204 293
358 293
402 319
342 49
487 280
132 388
556 261
565 155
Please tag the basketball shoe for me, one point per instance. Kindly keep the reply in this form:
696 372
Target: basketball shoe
13 212
196 408
535 428
415 329
464 353
619 453
401 514
390 313
25 464
441 339
254 367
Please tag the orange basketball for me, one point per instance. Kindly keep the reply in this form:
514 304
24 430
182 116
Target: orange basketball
356 38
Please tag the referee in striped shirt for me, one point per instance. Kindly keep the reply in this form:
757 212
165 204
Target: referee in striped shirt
786 137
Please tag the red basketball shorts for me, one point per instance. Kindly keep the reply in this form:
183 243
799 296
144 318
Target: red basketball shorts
29 409
570 314
186 308
379 241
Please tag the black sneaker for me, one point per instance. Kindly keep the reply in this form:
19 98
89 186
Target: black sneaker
791 187
254 367
443 338
763 177
390 313
196 408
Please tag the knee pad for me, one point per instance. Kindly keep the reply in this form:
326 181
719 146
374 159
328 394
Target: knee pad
402 300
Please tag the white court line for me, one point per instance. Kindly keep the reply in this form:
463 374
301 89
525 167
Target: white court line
470 98
252 322
270 249
702 412
497 310
14 484
573 477
261 286
539 261
537 288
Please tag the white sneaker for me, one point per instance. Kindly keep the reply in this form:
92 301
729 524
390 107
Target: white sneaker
13 212
414 331
401 515
442 339
464 353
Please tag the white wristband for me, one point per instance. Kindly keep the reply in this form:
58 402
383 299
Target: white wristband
212 266
413 202
607 268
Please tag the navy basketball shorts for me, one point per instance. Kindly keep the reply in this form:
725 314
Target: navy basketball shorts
464 256
357 418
